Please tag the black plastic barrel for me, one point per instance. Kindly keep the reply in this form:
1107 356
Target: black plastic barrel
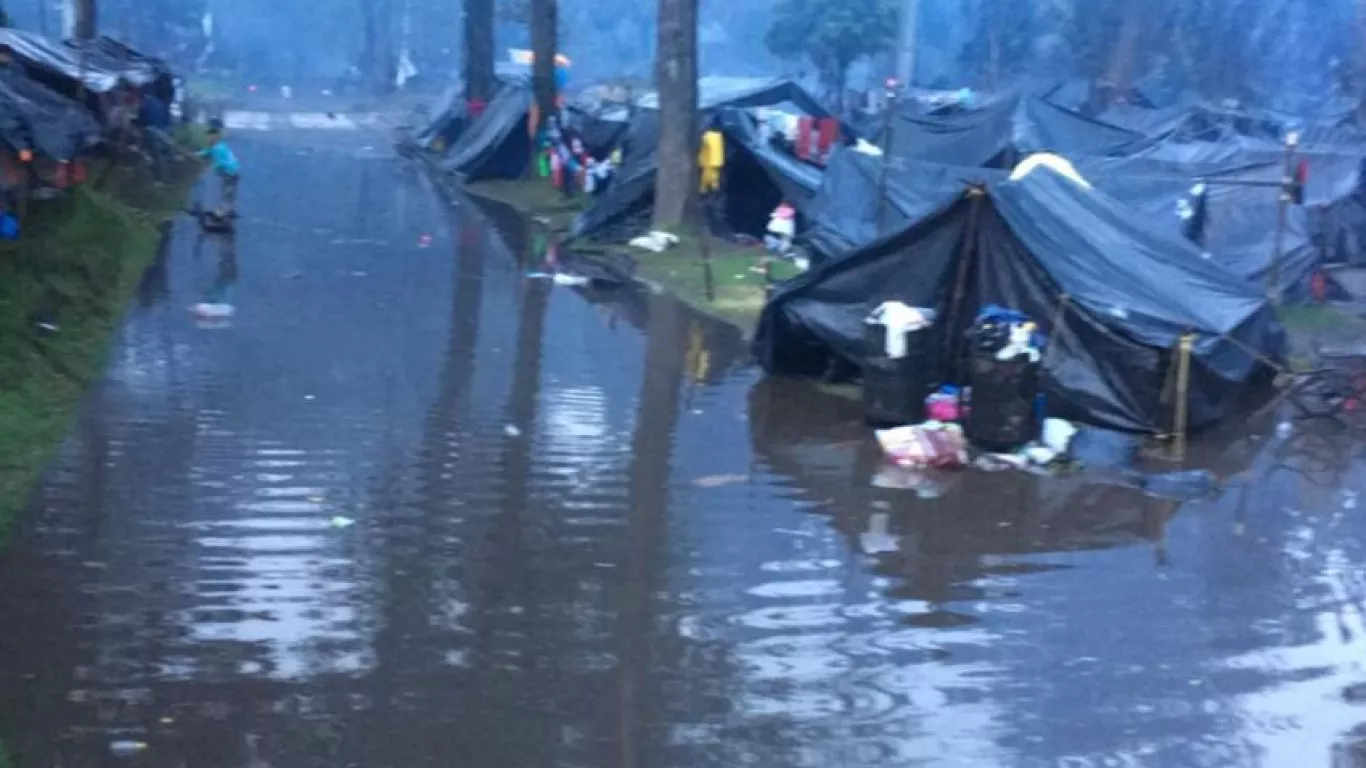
894 389
1003 416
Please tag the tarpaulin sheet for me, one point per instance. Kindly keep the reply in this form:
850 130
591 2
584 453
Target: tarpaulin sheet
496 144
37 119
448 123
844 213
1000 132
57 65
134 67
1237 229
1131 290
630 198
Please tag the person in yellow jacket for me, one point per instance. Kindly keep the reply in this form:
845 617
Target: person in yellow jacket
711 158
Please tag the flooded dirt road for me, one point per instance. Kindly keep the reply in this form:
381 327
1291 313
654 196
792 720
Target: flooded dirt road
408 507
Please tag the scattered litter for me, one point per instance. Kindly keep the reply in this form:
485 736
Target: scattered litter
868 148
424 241
310 398
1190 485
49 327
944 404
316 499
899 320
716 481
656 242
932 444
206 309
542 220
167 720
341 522
127 748
1058 434
512 431
559 278
898 478
878 539
999 462
1284 429
358 273
1349 499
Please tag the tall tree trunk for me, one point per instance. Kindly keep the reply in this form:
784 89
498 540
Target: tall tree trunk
1121 72
544 46
379 62
87 20
676 76
479 75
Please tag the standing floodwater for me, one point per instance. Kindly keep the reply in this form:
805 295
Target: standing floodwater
408 507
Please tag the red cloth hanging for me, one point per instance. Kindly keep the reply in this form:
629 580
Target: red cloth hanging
62 179
78 173
829 133
804 138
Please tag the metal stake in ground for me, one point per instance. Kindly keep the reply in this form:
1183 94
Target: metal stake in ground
888 135
1273 275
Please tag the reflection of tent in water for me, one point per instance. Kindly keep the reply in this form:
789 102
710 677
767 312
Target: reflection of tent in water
829 458
831 461
756 176
1121 292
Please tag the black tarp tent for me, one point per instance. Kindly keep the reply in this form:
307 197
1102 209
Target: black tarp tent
756 177
998 132
844 213
66 70
1237 216
42 121
133 67
1126 292
496 145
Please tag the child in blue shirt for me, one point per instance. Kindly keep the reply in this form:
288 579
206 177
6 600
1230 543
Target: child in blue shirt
225 164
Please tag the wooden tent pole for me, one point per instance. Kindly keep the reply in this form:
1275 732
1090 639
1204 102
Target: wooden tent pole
1181 418
1273 275
968 249
888 136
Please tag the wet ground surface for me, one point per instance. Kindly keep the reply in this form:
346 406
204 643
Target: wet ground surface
408 507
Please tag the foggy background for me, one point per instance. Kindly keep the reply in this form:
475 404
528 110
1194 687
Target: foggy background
1275 53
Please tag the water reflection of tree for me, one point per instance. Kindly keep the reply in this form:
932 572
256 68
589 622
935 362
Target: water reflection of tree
413 582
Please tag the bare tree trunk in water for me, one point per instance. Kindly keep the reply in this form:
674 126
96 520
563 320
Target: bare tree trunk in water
544 46
676 76
87 20
479 80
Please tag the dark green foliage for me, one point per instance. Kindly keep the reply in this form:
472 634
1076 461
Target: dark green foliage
832 35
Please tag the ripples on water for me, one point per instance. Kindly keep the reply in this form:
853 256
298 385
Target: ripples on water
440 510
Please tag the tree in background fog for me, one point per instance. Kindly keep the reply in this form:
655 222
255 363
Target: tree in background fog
87 20
832 35
544 46
1267 52
479 72
676 81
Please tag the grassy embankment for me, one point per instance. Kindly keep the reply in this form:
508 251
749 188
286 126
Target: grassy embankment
737 293
77 263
